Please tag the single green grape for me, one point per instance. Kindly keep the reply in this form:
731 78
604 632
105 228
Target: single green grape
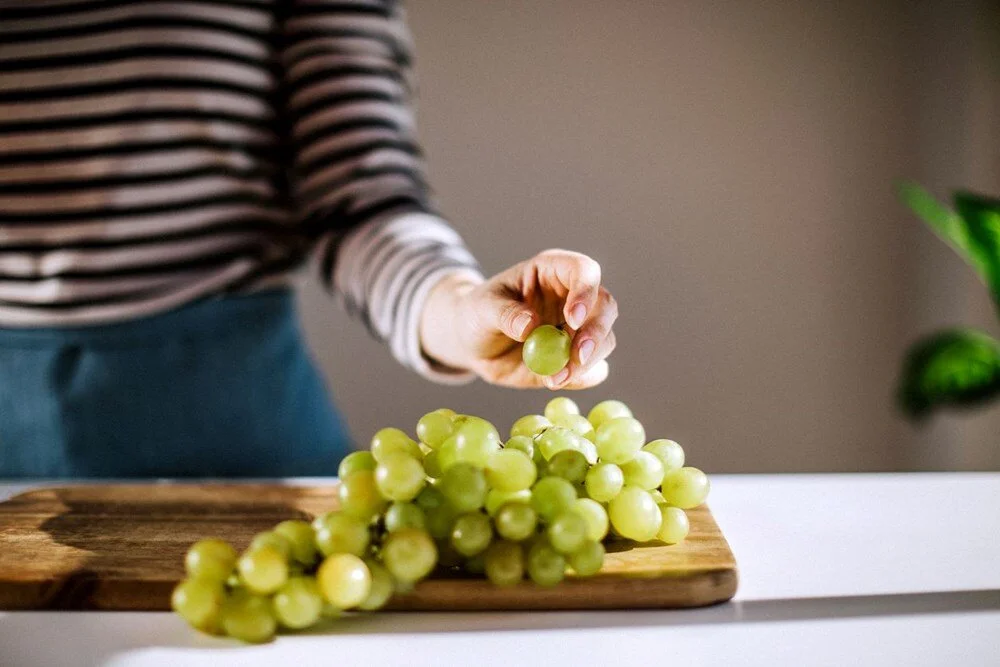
546 350
475 452
496 499
578 424
561 406
634 515
263 570
404 515
360 497
399 477
529 426
464 487
671 454
269 538
657 497
604 481
675 525
199 602
510 470
409 554
645 470
355 461
475 440
619 439
569 464
390 441
555 439
567 532
248 617
594 515
471 533
515 521
685 488
432 464
297 604
588 559
435 427
523 444
504 563
606 411
302 538
546 566
382 587
212 559
344 580
341 533
552 496
471 428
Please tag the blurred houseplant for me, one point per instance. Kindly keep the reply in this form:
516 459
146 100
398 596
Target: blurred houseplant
956 367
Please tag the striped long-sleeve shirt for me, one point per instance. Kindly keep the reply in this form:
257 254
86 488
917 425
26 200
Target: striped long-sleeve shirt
157 152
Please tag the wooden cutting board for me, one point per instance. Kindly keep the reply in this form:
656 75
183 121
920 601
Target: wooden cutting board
122 547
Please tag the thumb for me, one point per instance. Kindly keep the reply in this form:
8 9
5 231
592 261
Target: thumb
513 318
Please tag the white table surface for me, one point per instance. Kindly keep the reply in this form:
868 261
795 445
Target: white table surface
834 570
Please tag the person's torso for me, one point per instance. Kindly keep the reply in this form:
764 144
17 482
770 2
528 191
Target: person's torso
141 158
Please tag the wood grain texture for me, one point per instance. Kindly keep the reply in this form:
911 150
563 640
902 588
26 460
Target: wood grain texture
122 548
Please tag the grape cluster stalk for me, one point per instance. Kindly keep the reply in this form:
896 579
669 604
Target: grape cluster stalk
455 499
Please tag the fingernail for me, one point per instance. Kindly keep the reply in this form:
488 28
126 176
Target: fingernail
560 377
586 349
577 315
521 323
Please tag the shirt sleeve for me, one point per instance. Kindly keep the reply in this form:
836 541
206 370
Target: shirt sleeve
357 172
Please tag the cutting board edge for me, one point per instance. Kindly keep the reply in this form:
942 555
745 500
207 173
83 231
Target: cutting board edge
710 587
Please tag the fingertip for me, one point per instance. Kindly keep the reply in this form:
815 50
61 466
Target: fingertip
557 380
523 325
576 315
581 304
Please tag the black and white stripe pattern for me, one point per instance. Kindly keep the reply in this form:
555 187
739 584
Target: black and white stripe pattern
157 152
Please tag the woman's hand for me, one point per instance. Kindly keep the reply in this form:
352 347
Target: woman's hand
480 326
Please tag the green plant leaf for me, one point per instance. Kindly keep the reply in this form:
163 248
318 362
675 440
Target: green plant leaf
981 216
956 367
947 224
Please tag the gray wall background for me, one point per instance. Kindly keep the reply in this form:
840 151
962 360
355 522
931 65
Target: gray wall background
730 164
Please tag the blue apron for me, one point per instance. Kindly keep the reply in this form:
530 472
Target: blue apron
221 388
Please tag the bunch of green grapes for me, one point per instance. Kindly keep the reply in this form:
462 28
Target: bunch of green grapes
456 498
